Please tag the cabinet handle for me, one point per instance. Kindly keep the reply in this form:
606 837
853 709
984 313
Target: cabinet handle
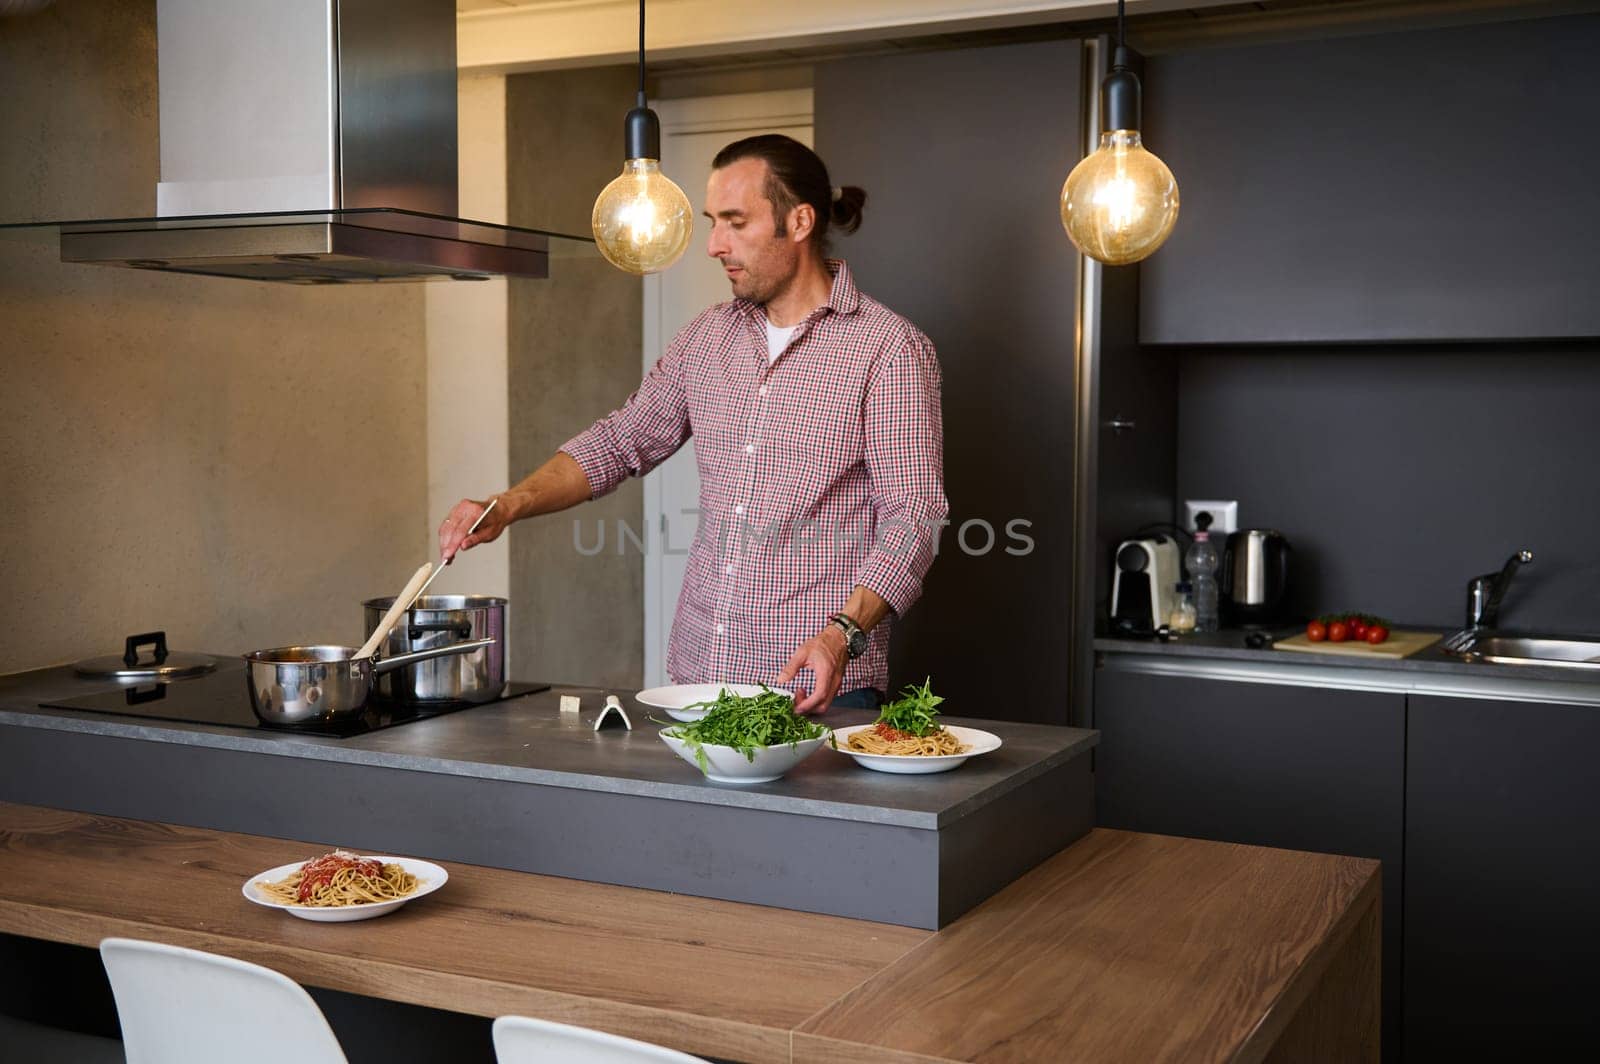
1119 424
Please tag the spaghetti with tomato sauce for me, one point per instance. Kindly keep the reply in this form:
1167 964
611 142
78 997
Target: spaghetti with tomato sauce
882 738
341 878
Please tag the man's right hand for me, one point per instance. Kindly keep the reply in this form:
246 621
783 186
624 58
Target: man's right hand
453 532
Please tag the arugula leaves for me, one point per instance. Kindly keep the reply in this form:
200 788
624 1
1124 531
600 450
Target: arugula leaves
745 723
914 712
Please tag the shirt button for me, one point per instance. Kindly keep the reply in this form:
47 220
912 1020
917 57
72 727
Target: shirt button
749 448
727 568
763 389
719 629
739 509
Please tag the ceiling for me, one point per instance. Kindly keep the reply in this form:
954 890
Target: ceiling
507 36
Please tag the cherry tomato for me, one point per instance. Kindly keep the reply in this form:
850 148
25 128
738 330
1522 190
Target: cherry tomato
1358 628
1377 634
1316 631
1338 632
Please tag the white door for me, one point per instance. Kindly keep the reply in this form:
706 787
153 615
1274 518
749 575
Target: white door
692 132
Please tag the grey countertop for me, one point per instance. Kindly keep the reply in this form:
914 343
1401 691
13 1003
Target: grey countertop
529 740
1224 655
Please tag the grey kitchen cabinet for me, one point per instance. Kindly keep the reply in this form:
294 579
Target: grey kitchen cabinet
959 235
1299 768
1502 932
1427 185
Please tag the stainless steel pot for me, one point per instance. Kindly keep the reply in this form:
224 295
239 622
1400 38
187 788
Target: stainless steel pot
438 620
302 685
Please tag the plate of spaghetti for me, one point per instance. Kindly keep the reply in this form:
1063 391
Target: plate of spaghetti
341 886
908 738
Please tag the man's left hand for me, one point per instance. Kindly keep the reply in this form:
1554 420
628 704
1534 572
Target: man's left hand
825 654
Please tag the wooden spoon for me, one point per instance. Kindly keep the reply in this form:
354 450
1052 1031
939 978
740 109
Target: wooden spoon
402 603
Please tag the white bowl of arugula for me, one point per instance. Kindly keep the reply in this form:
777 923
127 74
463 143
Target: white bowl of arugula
746 738
908 738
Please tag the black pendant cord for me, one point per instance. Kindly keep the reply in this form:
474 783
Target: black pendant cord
642 129
1122 39
641 51
1121 87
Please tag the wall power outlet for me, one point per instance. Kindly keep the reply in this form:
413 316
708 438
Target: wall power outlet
1224 514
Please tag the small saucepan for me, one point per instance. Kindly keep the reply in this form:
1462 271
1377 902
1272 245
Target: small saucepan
318 684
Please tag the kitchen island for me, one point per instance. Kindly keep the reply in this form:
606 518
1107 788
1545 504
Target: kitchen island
520 785
1123 947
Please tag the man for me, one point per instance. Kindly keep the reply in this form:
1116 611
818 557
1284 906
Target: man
819 440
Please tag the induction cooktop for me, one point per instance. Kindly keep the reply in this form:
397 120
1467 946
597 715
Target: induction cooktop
221 698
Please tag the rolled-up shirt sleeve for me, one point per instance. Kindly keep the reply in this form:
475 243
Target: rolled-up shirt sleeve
905 457
642 433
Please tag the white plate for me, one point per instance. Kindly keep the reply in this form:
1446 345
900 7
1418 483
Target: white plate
430 877
977 742
674 698
725 764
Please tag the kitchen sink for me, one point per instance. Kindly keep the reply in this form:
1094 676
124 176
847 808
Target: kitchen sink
1504 649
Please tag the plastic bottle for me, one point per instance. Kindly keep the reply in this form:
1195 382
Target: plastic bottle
1201 562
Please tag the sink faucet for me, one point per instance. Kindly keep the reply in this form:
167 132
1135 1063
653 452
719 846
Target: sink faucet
1485 592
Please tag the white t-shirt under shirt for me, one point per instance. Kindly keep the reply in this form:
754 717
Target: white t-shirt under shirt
777 340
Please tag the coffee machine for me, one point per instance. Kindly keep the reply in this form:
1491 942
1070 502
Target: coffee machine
1144 583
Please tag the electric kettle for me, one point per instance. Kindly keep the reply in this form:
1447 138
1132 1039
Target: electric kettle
1254 576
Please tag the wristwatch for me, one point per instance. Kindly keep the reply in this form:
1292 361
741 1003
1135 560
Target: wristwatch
854 635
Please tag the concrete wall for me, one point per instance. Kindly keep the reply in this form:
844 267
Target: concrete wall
575 343
467 426
238 463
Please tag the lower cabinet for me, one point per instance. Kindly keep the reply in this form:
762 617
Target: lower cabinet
1293 767
1491 925
1502 924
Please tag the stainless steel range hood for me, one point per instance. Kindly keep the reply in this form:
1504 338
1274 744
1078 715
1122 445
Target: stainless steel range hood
310 142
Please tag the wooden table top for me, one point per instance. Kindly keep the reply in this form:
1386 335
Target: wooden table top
1123 947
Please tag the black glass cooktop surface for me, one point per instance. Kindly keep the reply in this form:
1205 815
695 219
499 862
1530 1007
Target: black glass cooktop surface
222 698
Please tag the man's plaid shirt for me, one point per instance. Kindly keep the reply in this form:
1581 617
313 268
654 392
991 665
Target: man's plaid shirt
818 472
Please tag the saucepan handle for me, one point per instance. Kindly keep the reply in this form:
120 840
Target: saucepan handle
402 660
418 629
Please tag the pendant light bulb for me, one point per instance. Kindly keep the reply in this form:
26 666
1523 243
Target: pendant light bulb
642 221
1120 203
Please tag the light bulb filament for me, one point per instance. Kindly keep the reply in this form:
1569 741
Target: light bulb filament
1119 199
640 219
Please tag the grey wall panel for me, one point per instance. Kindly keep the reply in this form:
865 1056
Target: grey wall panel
1137 468
1397 474
1431 185
962 154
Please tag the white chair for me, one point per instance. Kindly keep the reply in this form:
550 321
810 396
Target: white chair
520 1040
182 1006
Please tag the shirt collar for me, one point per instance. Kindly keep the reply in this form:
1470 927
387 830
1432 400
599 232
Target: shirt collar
843 297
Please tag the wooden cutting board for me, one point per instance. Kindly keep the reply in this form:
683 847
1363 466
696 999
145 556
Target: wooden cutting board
1400 644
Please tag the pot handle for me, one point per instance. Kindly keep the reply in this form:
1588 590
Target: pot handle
402 660
462 629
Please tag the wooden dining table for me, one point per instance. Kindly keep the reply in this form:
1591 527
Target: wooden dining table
1122 947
